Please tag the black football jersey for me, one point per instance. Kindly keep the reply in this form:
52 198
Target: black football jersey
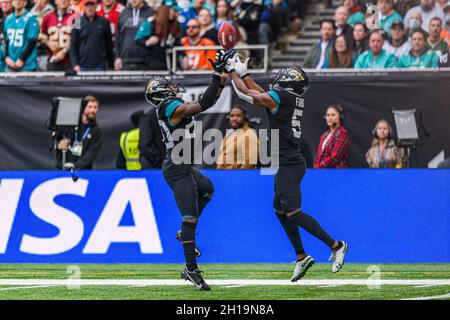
176 134
287 119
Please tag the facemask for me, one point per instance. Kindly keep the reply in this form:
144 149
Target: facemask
414 24
427 8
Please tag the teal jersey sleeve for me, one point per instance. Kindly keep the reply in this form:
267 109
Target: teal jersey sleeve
32 28
172 105
274 95
144 31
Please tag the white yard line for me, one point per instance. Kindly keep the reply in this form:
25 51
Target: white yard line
444 296
27 287
225 282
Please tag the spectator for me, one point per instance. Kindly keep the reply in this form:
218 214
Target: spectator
129 154
239 148
419 56
398 44
356 11
428 9
207 27
403 6
129 54
158 33
91 45
248 16
186 12
387 15
414 23
334 144
151 146
224 12
360 41
196 59
341 55
55 36
384 152
435 42
376 57
319 51
86 141
111 9
342 27
296 12
40 9
22 31
6 10
445 33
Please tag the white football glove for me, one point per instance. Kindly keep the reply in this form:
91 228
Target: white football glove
241 67
231 63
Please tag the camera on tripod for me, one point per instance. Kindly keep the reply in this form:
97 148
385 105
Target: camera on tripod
65 118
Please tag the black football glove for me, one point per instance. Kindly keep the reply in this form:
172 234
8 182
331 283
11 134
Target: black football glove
221 61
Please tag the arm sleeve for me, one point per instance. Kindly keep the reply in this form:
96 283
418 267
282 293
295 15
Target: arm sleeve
211 94
74 46
92 151
32 34
109 45
117 40
31 44
144 32
338 152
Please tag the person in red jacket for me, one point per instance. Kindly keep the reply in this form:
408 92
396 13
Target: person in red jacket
332 151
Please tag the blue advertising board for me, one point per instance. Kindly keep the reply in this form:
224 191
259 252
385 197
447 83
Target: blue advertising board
386 216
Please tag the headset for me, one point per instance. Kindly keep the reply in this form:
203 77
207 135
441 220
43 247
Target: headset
374 131
339 109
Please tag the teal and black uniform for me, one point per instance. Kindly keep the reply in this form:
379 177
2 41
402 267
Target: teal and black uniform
192 190
21 38
287 119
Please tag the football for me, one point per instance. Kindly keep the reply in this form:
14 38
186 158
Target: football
227 35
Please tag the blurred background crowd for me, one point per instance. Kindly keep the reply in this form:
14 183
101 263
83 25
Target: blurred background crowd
100 35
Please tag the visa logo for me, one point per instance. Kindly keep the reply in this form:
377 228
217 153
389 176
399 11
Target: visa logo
127 192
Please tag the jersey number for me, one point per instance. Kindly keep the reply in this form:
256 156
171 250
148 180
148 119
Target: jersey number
167 137
297 118
15 37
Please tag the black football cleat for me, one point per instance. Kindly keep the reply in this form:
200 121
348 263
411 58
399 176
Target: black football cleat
196 278
197 251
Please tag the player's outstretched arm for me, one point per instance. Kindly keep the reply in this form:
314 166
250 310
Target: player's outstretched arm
211 94
261 99
241 69
208 99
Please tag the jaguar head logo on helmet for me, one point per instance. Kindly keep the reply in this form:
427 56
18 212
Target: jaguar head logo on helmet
160 88
291 79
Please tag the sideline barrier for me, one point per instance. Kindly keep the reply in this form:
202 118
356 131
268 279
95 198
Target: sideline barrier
365 96
387 216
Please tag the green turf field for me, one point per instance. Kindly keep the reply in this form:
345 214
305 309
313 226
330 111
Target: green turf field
137 282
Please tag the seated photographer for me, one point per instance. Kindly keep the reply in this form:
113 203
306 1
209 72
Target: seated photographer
384 152
82 145
129 154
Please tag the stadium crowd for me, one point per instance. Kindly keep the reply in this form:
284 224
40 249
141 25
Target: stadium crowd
395 33
98 35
